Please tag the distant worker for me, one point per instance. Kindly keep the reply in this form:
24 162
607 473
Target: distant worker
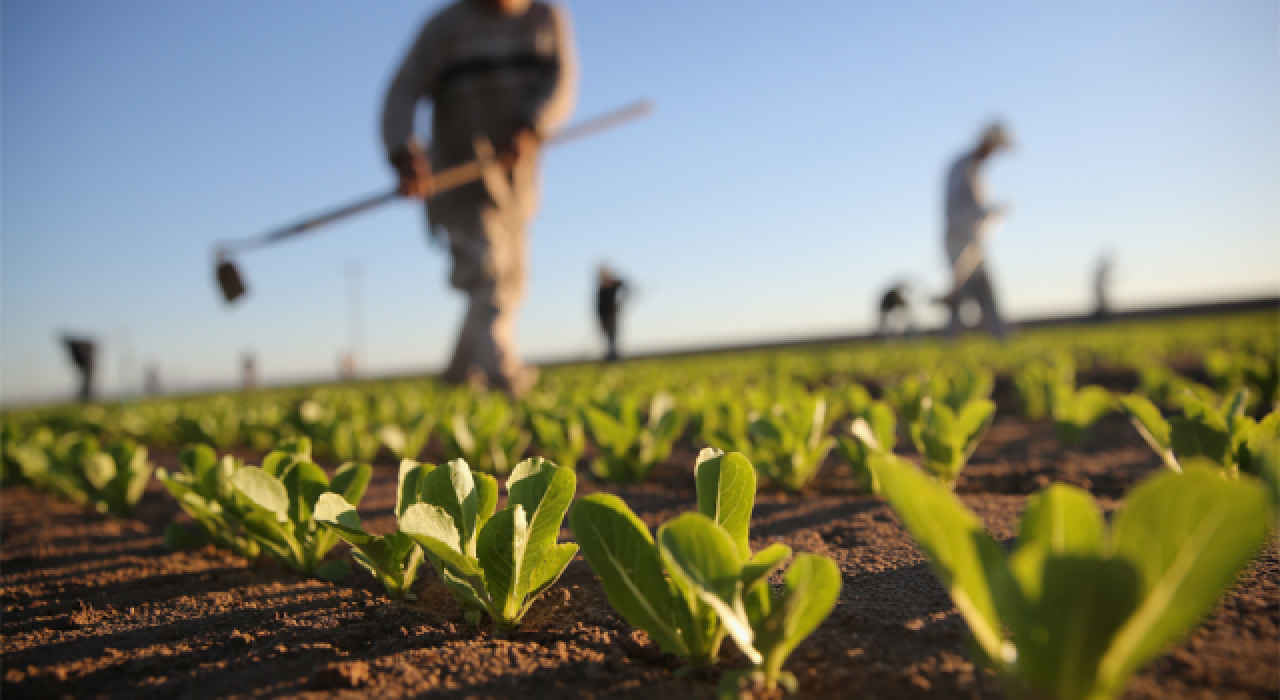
249 371
83 355
499 74
895 311
1102 280
610 297
969 221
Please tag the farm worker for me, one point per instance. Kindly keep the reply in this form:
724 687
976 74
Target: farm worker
610 297
969 220
83 353
499 74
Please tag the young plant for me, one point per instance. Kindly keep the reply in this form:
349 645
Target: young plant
559 434
499 563
280 499
393 559
631 446
621 551
946 439
1076 410
1220 437
485 433
1075 609
1036 380
1152 426
204 490
116 478
407 442
790 442
873 430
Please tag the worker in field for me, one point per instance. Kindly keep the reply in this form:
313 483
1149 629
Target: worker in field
84 355
969 220
610 297
498 74
895 311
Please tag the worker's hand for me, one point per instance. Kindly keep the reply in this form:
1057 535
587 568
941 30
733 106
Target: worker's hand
415 174
524 146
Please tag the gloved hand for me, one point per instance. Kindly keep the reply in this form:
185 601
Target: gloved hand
415 173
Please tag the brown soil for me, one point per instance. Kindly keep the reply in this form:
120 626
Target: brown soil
96 606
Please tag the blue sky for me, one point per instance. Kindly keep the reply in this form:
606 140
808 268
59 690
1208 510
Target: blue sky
793 168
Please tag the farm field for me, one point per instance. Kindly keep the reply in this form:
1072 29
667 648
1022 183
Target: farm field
99 604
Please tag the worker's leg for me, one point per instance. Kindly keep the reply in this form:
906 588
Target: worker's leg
489 258
979 289
609 324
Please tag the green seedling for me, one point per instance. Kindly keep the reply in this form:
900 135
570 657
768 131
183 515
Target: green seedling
872 431
946 439
622 552
790 442
1233 370
116 478
486 434
280 499
631 446
1076 608
407 442
1216 436
393 559
205 491
1035 383
500 562
1076 410
559 434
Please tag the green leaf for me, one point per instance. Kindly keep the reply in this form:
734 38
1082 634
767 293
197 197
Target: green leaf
264 491
351 480
1062 519
409 484
197 459
453 488
501 550
99 470
545 491
549 568
703 562
1152 426
726 486
955 542
812 589
304 482
1188 535
432 527
620 550
764 563
334 511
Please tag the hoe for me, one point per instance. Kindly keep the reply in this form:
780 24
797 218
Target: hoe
232 283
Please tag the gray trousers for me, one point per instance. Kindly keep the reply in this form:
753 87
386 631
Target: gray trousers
490 258
976 288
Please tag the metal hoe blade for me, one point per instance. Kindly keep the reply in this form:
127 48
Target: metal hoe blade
229 281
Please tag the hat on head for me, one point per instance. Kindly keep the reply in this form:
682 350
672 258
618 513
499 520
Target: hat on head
997 137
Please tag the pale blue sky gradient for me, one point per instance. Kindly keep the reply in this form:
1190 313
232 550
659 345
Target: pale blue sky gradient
793 168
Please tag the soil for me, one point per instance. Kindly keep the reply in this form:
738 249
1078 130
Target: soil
96 606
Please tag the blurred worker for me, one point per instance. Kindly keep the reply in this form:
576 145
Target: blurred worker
610 297
895 311
969 220
83 355
249 371
1102 279
499 74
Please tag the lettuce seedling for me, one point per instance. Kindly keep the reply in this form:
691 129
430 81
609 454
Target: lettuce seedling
280 499
486 434
393 559
630 447
1216 436
946 439
559 434
1075 609
204 490
407 442
1076 410
873 430
116 478
621 551
790 442
1036 380
496 562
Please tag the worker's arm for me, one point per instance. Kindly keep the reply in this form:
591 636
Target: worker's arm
412 82
556 101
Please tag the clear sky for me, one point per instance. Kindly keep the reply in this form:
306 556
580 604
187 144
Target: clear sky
792 170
